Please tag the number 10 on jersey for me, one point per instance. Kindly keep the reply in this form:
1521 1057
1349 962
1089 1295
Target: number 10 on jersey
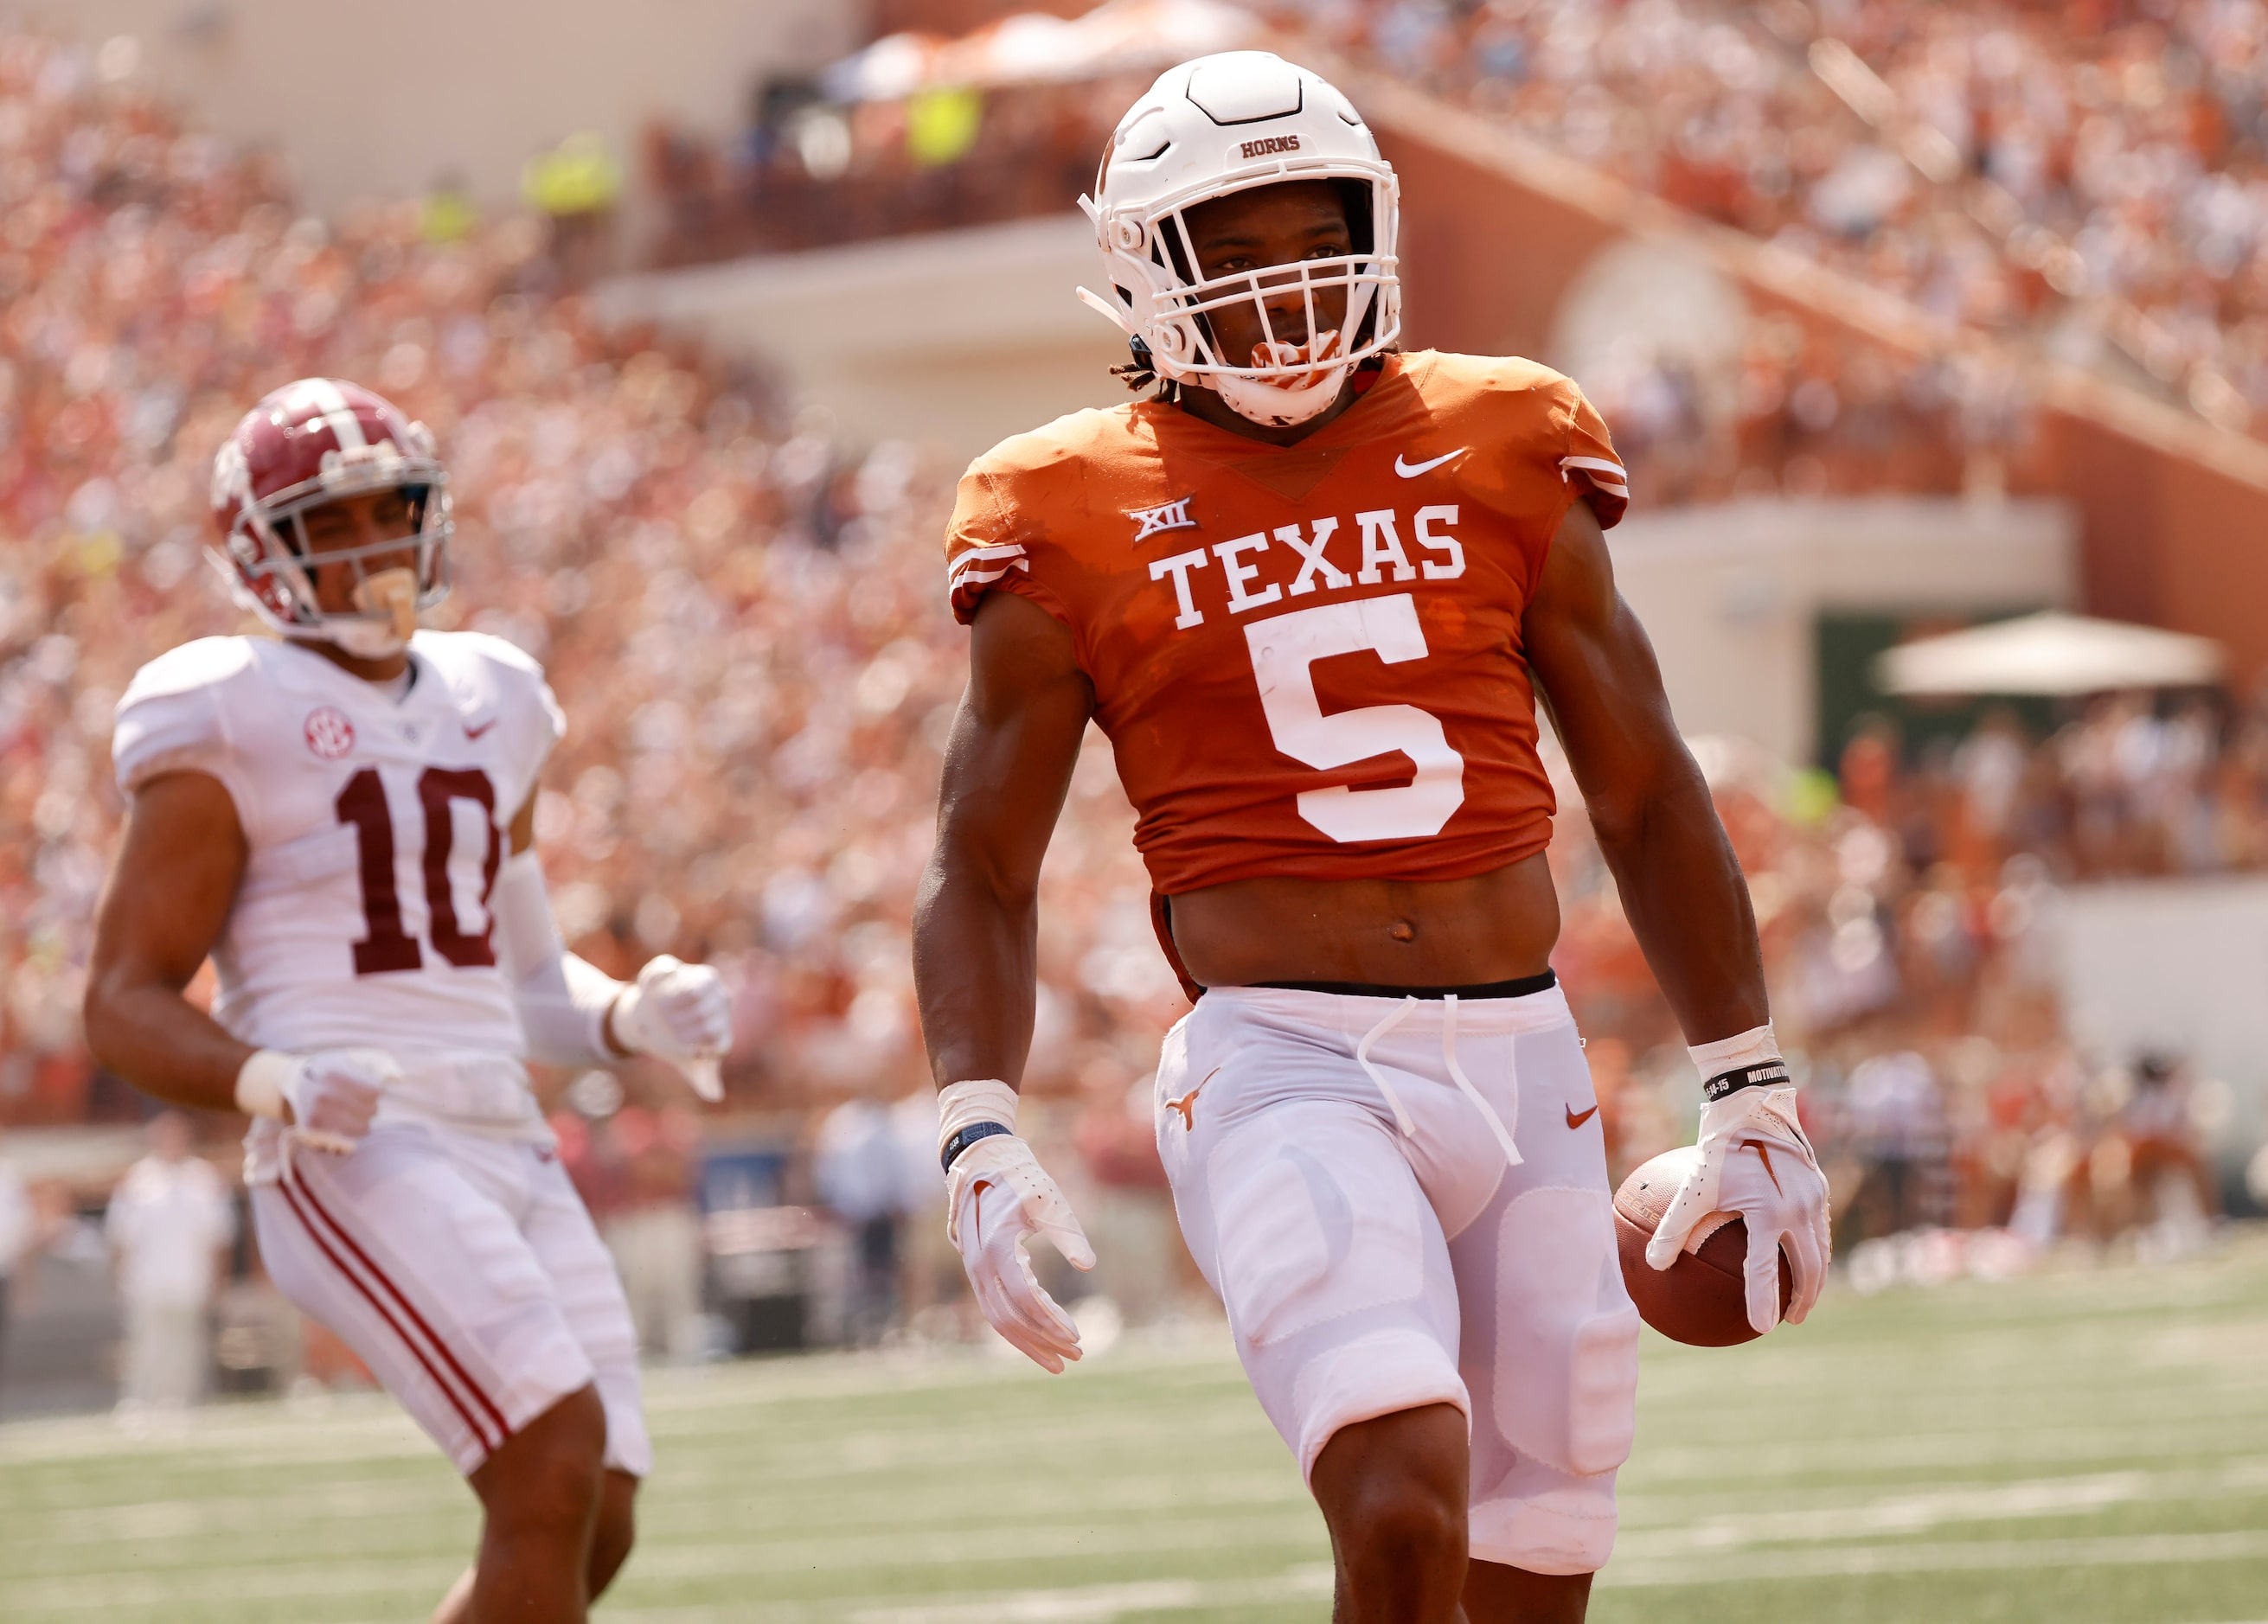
387 945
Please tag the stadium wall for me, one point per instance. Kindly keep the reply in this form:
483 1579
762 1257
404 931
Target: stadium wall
2175 967
954 340
431 88
1732 593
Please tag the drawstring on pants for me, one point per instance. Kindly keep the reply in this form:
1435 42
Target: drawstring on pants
1457 1075
1394 1017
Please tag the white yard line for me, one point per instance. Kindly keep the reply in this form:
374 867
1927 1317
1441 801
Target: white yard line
1852 1515
1963 1556
658 1560
1091 1604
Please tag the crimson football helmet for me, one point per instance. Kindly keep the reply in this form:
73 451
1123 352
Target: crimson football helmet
313 441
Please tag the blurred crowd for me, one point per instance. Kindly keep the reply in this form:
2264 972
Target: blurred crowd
1805 411
743 618
1911 910
808 174
743 621
2087 174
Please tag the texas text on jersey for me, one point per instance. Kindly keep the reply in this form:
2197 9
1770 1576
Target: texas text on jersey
375 828
1308 660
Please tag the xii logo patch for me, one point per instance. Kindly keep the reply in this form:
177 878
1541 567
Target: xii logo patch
1165 516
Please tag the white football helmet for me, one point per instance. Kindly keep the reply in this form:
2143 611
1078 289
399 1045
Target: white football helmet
1209 127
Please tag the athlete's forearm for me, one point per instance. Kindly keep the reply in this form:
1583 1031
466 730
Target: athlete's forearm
150 1035
1007 769
1687 902
976 969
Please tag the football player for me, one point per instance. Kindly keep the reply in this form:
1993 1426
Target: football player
1317 591
341 817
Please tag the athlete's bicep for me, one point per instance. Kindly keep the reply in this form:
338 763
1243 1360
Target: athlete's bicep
1592 662
1014 742
171 886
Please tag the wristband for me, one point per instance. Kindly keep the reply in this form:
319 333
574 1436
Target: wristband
961 1139
1750 1059
261 1082
1768 1074
976 1102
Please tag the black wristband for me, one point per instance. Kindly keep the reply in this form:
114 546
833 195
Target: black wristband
962 1138
1762 1075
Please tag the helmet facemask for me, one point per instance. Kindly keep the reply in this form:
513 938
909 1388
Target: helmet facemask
1219 127
1286 381
275 563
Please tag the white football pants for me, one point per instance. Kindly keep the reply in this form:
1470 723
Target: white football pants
465 1272
1377 1251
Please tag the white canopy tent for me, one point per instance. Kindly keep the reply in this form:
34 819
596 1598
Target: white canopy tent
2050 653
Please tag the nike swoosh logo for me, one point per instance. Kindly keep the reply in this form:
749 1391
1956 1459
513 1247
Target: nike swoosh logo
1410 471
1573 1121
1763 1148
474 732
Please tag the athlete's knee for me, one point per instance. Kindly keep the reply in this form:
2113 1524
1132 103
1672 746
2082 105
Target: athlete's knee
1498 1594
1404 1524
614 1531
1394 1492
547 1475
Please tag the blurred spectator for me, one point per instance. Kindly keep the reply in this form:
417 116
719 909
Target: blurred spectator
1893 1118
169 1224
941 159
649 1170
16 1231
859 1170
2171 1179
449 213
575 186
1130 1214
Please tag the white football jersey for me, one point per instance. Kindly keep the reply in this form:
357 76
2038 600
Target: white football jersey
376 827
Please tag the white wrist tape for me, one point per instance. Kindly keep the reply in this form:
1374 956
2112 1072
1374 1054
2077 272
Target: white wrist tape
562 1000
1741 1060
261 1082
964 1104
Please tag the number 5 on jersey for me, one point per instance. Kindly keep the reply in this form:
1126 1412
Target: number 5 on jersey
1285 650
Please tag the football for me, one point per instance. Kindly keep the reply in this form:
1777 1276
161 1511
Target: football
1699 1299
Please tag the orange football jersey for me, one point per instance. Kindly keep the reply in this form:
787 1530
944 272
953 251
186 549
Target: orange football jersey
1307 658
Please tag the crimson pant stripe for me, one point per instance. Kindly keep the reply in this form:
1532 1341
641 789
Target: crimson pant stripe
294 1189
472 1422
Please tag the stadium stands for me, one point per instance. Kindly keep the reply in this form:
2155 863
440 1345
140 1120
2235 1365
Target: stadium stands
743 621
2088 176
742 618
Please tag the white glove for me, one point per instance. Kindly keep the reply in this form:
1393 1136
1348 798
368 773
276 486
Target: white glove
680 1013
328 1096
997 1197
1755 1161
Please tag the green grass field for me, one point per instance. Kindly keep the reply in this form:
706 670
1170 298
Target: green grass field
2078 1446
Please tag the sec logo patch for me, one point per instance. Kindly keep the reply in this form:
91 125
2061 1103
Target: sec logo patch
329 734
